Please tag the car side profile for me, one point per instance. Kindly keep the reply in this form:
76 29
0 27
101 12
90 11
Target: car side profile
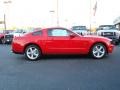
55 41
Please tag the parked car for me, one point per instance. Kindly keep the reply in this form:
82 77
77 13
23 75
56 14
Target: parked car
82 30
16 33
56 41
109 31
7 31
1 38
9 36
2 35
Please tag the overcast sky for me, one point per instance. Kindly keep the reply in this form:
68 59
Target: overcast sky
36 13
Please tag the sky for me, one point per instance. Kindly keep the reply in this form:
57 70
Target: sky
37 13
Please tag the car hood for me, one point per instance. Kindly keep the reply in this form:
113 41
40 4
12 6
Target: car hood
113 30
80 30
16 34
95 37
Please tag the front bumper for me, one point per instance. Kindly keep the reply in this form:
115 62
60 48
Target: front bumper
110 48
8 40
114 38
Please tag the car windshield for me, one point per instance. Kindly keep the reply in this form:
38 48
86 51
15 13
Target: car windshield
79 28
18 31
107 27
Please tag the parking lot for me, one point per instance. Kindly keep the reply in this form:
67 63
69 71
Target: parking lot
59 72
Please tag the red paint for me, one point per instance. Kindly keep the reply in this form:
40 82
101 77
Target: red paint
1 35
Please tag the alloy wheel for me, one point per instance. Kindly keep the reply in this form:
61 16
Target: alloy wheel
98 51
32 52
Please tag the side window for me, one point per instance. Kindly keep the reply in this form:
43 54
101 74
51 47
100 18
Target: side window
58 32
37 33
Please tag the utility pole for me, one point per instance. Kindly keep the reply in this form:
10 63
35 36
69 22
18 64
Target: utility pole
90 16
5 22
6 2
57 13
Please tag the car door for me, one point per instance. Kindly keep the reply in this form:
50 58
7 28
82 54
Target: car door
60 42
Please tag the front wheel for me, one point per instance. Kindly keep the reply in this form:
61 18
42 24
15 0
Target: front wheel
32 52
98 51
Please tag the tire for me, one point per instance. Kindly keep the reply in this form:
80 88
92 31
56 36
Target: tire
117 43
32 52
2 41
98 51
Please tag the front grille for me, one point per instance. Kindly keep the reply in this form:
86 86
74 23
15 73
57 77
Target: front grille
108 34
8 36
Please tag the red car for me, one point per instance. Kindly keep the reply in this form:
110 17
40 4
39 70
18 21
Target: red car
54 41
1 38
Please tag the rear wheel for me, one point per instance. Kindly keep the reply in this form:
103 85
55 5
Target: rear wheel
32 52
98 51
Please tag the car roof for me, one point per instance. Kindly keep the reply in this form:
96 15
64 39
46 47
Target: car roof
55 28
105 25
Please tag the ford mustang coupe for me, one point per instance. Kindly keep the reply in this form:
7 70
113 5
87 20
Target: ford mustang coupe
54 41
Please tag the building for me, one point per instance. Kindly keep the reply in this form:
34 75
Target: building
117 22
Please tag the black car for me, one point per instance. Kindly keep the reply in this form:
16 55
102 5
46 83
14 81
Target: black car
8 38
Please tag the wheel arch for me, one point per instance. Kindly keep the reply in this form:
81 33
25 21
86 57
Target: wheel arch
32 44
98 43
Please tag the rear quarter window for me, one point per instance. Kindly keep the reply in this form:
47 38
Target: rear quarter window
37 33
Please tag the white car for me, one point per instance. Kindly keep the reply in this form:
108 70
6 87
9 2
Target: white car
109 31
82 30
17 33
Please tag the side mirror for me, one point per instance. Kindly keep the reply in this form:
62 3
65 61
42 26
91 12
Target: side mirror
72 35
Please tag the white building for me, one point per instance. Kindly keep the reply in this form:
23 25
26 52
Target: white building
117 22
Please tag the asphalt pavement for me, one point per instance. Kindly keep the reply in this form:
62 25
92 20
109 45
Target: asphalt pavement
59 72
